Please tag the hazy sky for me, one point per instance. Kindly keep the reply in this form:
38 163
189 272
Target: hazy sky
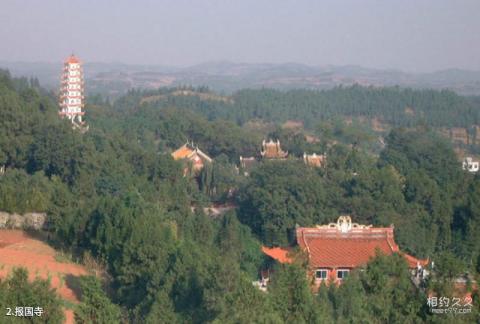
412 35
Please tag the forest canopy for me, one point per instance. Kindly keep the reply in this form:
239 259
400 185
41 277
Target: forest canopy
116 193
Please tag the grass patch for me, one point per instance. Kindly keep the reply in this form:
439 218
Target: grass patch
68 304
63 257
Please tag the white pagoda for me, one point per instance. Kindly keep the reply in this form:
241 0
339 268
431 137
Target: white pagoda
72 91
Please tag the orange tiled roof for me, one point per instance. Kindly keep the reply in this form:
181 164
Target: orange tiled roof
331 246
194 154
279 254
72 59
182 153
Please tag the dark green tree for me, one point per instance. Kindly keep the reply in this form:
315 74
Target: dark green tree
18 291
95 306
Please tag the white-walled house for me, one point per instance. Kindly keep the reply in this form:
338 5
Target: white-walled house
470 165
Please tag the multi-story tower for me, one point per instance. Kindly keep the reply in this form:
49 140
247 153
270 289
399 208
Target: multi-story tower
71 91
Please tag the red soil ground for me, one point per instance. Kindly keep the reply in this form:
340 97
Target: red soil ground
18 249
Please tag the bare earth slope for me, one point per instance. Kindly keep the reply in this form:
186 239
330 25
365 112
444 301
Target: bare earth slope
18 249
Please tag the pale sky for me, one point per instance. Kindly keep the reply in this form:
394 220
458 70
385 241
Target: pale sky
410 35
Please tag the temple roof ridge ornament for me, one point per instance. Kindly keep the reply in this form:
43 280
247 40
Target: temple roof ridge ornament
344 224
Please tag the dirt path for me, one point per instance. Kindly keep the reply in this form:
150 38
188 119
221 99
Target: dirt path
18 249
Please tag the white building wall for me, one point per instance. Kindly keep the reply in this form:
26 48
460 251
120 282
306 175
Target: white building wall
470 165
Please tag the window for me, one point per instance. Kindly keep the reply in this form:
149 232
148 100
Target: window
342 274
321 274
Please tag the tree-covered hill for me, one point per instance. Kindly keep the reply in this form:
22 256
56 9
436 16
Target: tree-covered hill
395 106
355 114
116 193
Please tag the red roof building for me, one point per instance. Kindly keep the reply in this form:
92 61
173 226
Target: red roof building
277 253
335 249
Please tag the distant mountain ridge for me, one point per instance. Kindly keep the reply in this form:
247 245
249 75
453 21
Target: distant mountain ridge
117 78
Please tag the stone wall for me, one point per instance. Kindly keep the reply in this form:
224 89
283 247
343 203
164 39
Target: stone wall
34 221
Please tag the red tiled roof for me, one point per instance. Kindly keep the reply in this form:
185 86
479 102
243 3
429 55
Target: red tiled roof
279 254
413 261
329 247
334 253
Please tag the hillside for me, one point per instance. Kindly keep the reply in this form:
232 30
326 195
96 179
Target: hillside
116 79
358 114
116 193
18 249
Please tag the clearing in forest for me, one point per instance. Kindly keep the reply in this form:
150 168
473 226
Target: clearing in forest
19 249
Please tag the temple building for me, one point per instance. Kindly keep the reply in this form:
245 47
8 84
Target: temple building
470 165
247 164
315 160
71 98
194 155
335 249
272 150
